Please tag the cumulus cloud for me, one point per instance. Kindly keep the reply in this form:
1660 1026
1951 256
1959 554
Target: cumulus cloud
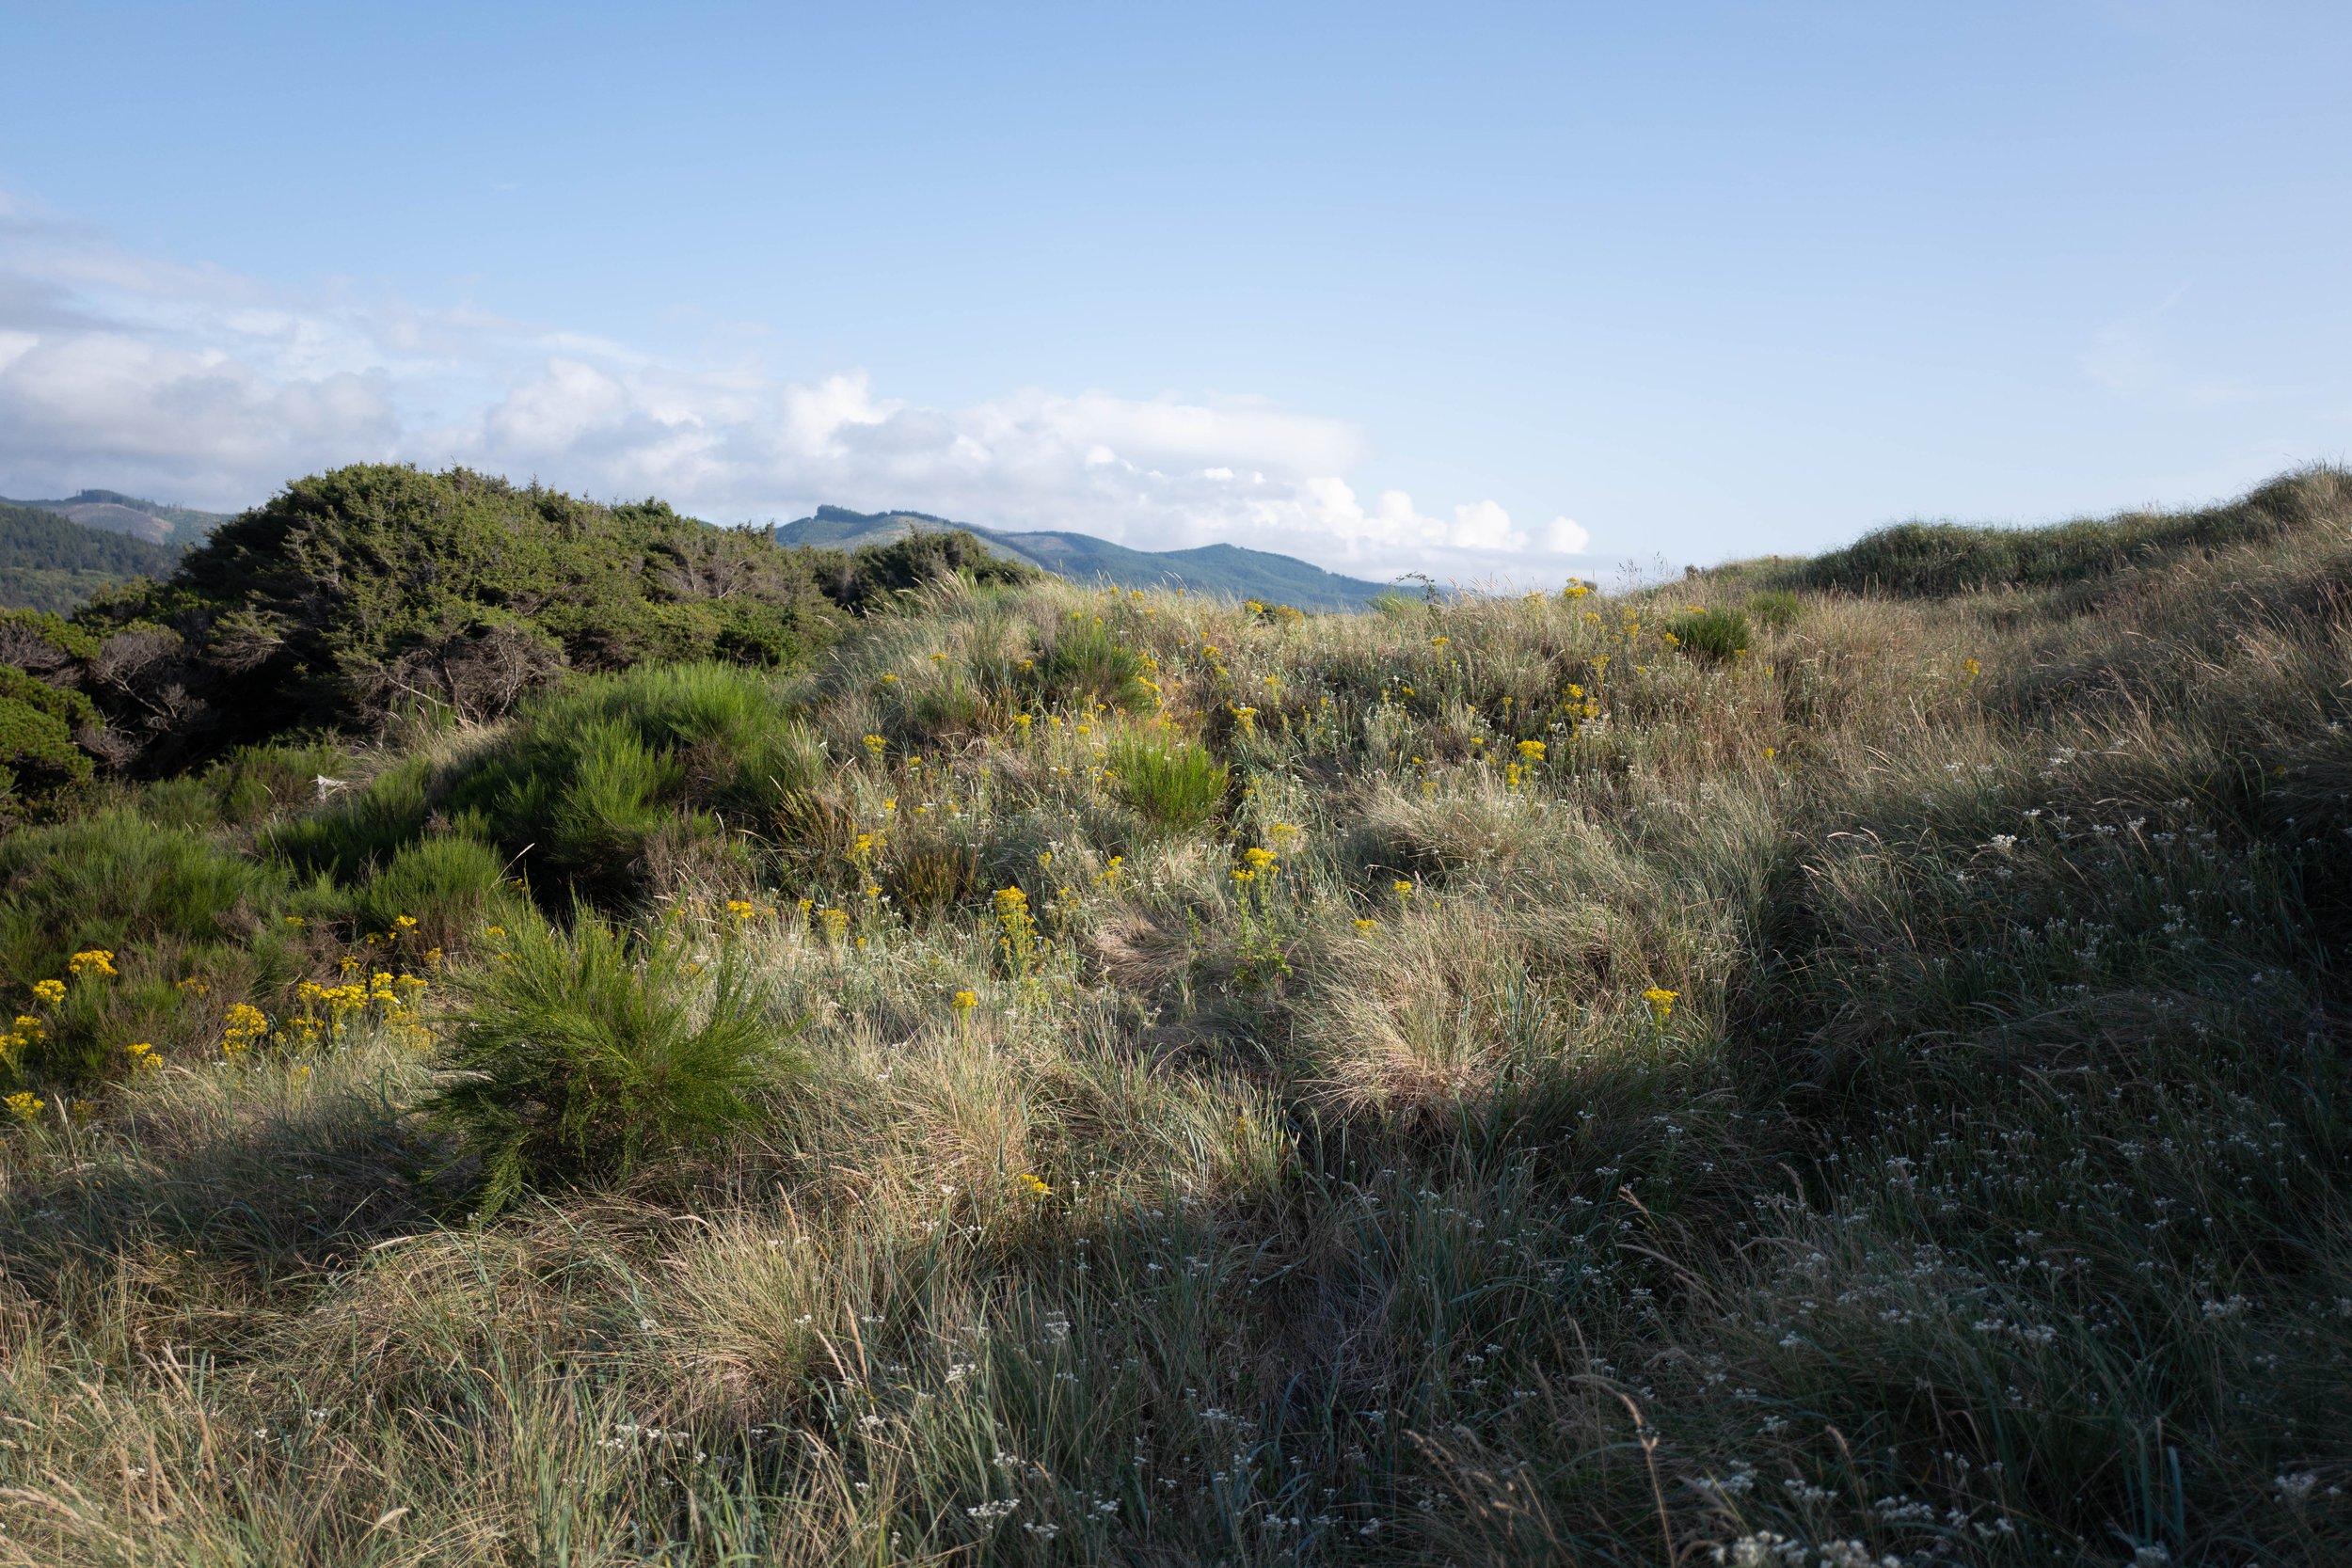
200 385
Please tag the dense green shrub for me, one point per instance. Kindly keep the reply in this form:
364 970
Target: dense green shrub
577 1059
1172 780
1085 663
876 576
363 828
451 885
38 750
170 904
354 593
595 772
1716 635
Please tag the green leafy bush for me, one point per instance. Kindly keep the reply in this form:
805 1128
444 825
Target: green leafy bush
1172 781
37 740
579 1059
1719 636
361 829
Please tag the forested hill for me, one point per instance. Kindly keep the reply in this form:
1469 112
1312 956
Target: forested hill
51 563
112 511
1227 569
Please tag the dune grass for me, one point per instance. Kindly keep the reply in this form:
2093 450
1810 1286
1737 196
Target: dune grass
1474 1082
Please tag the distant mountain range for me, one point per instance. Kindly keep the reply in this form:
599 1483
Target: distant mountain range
55 553
1209 569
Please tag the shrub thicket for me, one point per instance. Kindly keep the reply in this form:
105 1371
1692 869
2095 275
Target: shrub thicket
355 594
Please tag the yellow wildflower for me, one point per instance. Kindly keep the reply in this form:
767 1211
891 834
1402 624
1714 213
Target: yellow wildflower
26 1106
1032 1185
49 992
92 960
1531 750
1662 1004
966 1000
245 1027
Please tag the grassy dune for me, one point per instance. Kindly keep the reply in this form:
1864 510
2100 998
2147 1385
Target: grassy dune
1752 1072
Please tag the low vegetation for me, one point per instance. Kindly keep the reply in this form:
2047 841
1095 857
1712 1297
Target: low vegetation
1760 1070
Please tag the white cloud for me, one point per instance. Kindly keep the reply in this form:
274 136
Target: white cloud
199 385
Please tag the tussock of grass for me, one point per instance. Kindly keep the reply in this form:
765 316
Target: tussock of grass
1477 1084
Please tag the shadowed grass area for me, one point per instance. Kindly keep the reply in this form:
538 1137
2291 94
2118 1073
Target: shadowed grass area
1478 1083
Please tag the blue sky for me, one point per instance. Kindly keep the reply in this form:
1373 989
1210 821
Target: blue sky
1484 291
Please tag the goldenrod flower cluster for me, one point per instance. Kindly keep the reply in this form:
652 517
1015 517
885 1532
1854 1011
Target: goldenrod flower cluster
1662 1004
247 1027
1019 928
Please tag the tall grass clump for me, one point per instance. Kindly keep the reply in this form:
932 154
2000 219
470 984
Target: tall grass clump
1175 783
451 885
578 1056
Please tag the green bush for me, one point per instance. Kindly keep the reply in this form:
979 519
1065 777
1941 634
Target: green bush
451 885
597 771
1174 783
1937 559
1086 664
579 1059
1776 608
1718 636
359 829
170 904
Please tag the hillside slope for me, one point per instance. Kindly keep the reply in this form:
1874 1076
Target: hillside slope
48 563
1224 569
112 511
1787 1077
